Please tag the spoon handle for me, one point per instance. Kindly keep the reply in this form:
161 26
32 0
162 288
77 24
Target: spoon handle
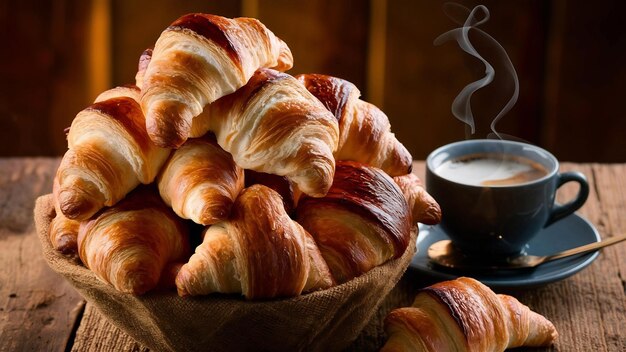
587 248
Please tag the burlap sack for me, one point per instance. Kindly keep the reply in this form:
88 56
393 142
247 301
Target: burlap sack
326 320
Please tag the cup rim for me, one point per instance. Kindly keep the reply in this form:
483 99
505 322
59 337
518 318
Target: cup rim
437 151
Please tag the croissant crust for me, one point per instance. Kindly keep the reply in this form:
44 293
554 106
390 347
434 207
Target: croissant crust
362 221
200 181
259 251
109 154
364 130
465 315
197 60
274 125
132 243
424 208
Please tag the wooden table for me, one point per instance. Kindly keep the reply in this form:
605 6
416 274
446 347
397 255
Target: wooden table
40 311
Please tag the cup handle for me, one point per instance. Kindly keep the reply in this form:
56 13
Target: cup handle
561 211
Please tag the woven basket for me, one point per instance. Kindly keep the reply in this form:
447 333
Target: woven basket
326 320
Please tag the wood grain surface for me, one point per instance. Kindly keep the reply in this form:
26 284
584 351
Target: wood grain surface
39 311
38 308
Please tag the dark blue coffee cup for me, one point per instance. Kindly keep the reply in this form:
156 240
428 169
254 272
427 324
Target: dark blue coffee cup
497 221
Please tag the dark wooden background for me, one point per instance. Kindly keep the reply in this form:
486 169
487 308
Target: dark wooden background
570 57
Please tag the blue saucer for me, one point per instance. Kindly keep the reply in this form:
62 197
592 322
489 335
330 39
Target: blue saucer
570 232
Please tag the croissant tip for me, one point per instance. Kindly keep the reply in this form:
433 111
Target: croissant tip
212 213
66 244
166 140
137 283
432 216
183 293
554 336
166 136
74 205
180 280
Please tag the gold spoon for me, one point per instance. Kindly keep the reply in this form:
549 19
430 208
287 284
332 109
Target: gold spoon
445 254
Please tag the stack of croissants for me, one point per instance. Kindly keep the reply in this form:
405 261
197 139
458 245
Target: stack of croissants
295 183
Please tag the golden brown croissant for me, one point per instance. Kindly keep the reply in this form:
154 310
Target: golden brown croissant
109 154
127 91
63 231
142 65
274 125
279 184
424 208
198 59
465 315
131 244
364 130
259 251
362 222
200 181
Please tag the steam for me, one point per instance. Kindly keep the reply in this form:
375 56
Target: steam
461 107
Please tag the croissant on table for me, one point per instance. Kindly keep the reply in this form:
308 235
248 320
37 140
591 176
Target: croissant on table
109 154
364 130
200 181
198 59
361 223
274 125
424 208
259 252
133 243
465 315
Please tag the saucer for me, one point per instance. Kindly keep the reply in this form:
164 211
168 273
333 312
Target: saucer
572 231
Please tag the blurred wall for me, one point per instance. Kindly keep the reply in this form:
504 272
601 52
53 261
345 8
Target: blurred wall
569 56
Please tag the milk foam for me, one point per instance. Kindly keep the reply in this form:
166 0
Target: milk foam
483 170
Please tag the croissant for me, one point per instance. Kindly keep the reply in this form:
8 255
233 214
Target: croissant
465 315
259 252
132 243
361 223
63 231
200 181
127 91
279 184
198 59
364 130
142 65
424 208
274 125
109 154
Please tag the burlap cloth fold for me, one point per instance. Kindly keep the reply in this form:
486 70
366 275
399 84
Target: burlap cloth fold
327 320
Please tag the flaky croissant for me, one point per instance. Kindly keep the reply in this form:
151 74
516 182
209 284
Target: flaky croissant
132 243
274 125
142 66
109 154
364 130
63 231
198 59
465 315
279 184
361 223
259 252
200 181
424 208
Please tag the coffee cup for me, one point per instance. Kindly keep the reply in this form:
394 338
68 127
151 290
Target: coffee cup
497 195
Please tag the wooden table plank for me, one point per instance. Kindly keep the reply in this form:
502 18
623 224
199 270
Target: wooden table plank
97 334
587 308
38 308
612 298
